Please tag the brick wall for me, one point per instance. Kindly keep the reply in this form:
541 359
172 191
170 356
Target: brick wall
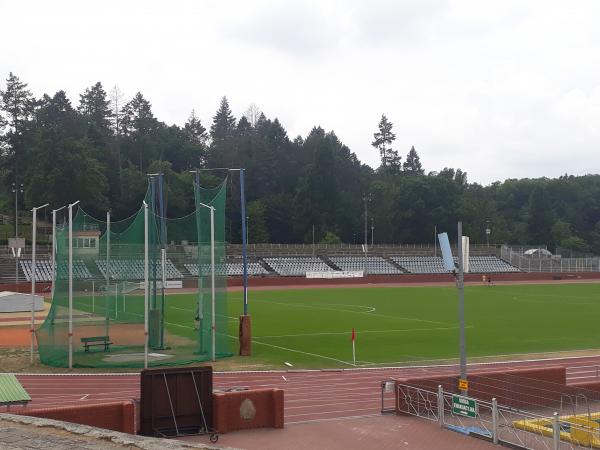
117 416
257 408
523 388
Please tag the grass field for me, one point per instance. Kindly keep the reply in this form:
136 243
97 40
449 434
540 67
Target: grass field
312 328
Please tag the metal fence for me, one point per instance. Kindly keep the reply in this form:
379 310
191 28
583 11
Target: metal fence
552 263
490 421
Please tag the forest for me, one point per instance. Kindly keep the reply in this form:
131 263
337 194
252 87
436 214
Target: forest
100 147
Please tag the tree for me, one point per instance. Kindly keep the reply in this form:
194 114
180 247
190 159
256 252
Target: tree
257 227
94 106
17 103
223 152
194 130
330 238
137 124
541 217
383 141
224 124
137 117
253 114
412 164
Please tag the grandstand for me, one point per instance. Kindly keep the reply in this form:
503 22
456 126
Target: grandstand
133 269
296 266
295 260
43 270
489 264
371 264
434 264
420 264
231 269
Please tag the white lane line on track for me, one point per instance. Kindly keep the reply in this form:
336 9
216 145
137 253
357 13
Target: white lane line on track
84 397
331 419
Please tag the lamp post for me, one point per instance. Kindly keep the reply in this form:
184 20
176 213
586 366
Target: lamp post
366 199
372 231
17 189
33 275
488 231
212 275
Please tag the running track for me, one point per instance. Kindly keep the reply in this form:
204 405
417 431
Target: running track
309 395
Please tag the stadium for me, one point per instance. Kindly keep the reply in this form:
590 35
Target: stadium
299 225
170 293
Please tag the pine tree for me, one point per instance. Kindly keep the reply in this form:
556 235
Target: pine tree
17 103
224 124
412 164
137 117
95 108
383 141
194 130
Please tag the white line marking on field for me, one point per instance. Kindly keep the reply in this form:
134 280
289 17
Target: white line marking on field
351 312
254 341
84 397
181 309
403 330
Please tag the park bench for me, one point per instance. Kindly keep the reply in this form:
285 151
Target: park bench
96 341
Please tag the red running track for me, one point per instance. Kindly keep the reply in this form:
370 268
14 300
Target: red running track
309 395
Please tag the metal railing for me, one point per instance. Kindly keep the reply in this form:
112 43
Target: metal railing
539 263
499 424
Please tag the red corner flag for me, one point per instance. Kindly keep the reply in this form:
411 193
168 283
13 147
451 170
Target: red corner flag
353 335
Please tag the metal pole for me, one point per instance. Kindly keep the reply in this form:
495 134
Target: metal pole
244 243
435 240
366 238
555 432
145 285
54 211
53 251
71 284
440 405
108 296
494 421
461 309
33 277
212 275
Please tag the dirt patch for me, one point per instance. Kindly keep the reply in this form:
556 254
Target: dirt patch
17 336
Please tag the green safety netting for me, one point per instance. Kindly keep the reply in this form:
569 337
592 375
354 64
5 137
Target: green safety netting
108 272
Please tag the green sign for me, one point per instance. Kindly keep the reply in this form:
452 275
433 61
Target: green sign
464 406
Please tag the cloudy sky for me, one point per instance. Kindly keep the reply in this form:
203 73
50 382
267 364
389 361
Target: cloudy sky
500 89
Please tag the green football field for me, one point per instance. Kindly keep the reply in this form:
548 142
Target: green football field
312 328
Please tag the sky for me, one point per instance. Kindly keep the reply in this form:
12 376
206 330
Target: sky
501 89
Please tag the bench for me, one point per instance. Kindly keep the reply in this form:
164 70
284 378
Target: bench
96 341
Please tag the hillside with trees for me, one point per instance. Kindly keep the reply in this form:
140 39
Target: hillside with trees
98 149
